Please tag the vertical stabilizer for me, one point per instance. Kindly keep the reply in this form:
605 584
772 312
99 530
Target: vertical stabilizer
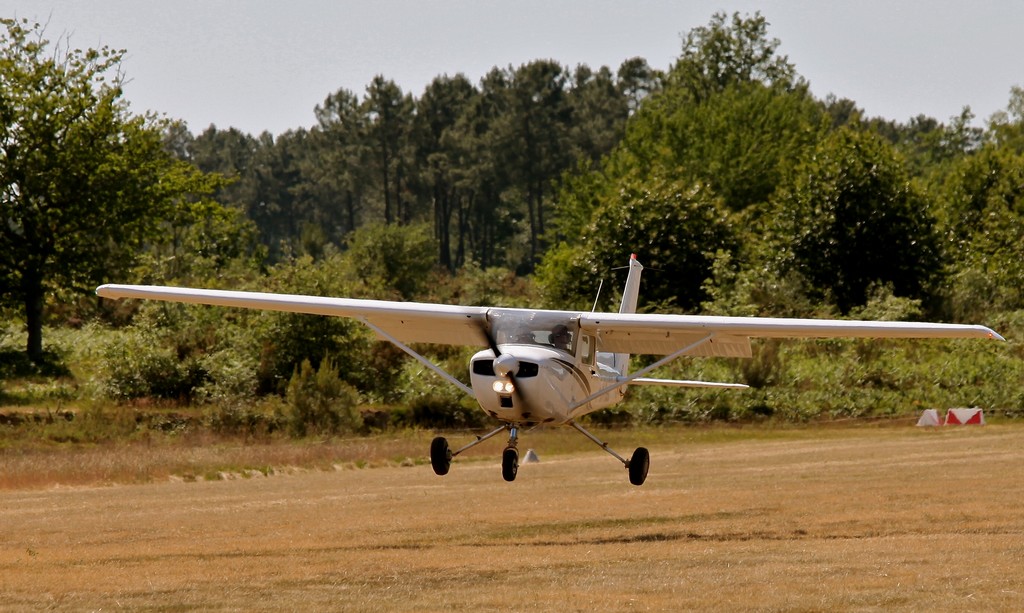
630 296
631 293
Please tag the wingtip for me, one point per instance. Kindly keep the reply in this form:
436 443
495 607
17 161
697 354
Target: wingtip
108 290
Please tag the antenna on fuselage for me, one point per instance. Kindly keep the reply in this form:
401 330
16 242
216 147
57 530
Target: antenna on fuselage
600 285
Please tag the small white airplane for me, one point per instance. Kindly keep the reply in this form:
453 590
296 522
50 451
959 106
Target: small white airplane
543 367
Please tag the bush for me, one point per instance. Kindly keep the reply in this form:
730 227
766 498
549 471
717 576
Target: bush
320 403
283 340
231 378
136 364
439 412
249 419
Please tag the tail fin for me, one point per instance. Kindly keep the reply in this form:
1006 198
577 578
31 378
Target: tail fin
631 293
630 296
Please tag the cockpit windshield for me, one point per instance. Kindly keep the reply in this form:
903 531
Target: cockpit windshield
525 328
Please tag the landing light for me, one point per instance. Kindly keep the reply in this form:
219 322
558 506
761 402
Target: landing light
503 387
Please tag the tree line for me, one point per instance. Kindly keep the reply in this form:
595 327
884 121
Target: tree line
478 163
721 168
742 193
752 197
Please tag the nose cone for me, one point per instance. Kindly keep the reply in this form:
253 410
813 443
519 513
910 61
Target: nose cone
505 365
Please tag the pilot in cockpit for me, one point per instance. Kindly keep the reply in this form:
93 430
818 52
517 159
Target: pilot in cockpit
560 337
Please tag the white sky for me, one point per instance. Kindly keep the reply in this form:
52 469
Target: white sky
264 65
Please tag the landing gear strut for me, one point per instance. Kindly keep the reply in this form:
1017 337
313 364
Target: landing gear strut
638 465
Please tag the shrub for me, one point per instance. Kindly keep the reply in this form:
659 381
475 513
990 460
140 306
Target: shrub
319 402
137 365
440 412
231 378
249 419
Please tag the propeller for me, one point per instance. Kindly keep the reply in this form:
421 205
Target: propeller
505 365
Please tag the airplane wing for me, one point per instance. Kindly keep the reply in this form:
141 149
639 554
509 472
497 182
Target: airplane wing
415 322
730 336
409 322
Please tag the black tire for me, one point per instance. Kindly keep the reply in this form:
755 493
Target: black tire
638 466
440 456
509 464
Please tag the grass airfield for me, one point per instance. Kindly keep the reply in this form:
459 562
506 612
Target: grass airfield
864 518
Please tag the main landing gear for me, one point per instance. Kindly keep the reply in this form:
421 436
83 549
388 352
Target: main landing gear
441 454
637 465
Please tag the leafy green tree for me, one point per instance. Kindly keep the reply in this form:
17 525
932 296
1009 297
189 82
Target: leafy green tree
203 241
230 153
393 262
342 156
982 221
389 113
850 218
438 111
535 137
732 113
383 261
286 339
841 111
636 80
928 145
276 205
728 122
83 183
1006 128
599 112
728 51
482 163
743 140
485 220
675 228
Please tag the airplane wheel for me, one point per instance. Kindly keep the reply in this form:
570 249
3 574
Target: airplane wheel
639 464
509 464
440 456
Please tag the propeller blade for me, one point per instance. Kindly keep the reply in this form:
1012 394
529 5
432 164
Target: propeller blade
485 329
504 365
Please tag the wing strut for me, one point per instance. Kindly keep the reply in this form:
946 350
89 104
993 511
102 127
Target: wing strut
422 360
619 382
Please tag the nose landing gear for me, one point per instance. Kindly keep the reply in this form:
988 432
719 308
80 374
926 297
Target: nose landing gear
510 457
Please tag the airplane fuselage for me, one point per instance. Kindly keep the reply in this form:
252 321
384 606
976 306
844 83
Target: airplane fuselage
545 386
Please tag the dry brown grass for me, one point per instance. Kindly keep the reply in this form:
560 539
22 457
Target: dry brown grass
848 519
198 458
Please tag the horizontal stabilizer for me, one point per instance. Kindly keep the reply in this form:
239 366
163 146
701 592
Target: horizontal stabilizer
683 383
